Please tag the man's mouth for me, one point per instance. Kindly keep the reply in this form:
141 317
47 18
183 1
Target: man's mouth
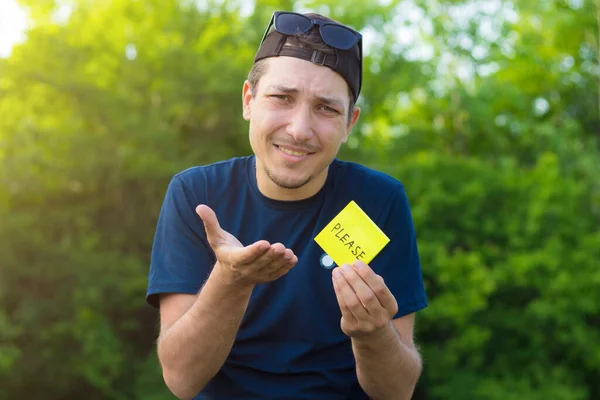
291 152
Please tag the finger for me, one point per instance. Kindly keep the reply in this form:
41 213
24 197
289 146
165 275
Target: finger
289 254
349 296
346 313
276 259
377 285
364 293
251 253
289 259
283 269
274 252
211 223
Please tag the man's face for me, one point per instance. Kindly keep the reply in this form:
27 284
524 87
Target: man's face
298 121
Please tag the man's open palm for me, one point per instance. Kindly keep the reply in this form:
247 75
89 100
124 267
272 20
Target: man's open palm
257 263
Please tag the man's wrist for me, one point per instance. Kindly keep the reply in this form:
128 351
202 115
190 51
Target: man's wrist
381 338
227 280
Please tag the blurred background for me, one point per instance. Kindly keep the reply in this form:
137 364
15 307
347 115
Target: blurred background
487 111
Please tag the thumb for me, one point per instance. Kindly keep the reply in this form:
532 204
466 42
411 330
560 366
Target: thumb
211 223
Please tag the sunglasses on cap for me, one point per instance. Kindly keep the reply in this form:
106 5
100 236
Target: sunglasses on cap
333 34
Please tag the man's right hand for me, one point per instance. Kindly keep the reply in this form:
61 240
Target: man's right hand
256 263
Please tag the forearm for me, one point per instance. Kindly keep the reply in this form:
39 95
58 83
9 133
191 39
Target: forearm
387 368
193 350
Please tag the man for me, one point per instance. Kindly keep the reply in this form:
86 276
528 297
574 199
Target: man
250 307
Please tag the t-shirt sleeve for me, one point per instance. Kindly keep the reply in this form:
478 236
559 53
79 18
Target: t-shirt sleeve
398 263
181 258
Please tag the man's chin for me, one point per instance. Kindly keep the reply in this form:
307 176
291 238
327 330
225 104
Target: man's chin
286 182
290 185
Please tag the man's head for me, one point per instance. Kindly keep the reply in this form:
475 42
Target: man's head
299 99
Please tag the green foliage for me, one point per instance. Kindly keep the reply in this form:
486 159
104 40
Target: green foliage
487 113
511 263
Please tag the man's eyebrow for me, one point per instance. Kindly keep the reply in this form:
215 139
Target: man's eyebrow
330 101
283 89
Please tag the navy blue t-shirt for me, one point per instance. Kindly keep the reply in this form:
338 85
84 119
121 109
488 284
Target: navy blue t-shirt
290 344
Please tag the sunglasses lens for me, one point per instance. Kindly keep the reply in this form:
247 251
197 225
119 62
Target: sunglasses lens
338 36
292 24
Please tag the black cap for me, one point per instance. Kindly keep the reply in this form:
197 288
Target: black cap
347 63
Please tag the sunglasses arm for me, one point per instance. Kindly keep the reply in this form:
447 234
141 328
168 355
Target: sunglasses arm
267 30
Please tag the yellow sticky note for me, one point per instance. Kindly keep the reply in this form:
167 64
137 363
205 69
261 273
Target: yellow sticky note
351 236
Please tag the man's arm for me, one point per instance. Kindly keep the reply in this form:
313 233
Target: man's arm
196 339
197 332
388 365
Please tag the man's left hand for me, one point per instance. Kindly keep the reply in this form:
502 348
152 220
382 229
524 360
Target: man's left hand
366 303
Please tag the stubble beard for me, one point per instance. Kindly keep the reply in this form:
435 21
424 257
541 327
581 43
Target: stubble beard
286 185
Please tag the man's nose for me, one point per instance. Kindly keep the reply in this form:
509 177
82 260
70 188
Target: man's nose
300 126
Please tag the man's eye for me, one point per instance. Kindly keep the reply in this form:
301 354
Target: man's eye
329 110
280 97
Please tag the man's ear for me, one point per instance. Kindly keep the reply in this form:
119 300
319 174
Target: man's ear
246 100
353 119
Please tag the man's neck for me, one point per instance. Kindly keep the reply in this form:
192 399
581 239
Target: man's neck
275 192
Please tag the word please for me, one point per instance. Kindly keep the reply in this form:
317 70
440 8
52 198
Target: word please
347 241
